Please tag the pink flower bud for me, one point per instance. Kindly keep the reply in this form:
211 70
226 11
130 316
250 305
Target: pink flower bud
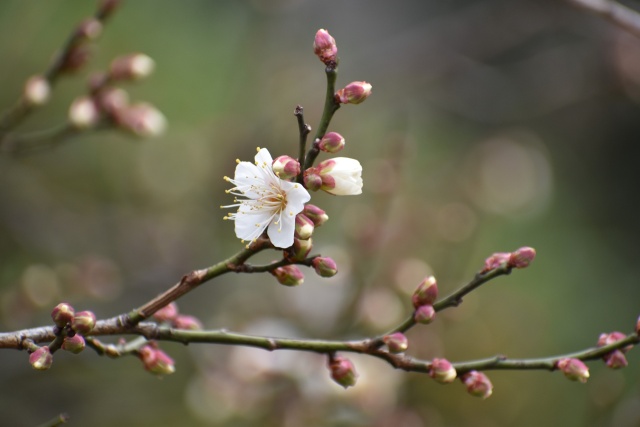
76 58
573 369
83 322
301 248
324 46
315 214
41 359
156 361
286 167
142 120
616 359
113 100
304 227
288 275
184 321
396 342
134 66
442 371
325 266
522 257
74 344
312 181
343 371
424 314
62 314
83 113
478 384
331 142
341 176
354 93
36 91
89 29
496 260
426 293
168 313
611 338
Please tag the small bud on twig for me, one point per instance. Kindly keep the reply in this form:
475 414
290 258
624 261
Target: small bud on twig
41 359
134 66
616 360
426 293
396 342
315 214
74 344
62 314
168 313
288 275
83 113
478 384
301 248
286 167
156 361
573 369
343 371
331 142
354 93
324 46
83 322
304 227
522 257
36 91
185 321
442 371
325 266
424 314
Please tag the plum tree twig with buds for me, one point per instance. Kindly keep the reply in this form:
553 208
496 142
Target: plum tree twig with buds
104 106
273 213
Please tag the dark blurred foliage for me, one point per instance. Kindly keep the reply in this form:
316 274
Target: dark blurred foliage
493 124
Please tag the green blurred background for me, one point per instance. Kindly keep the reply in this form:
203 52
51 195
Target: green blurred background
493 124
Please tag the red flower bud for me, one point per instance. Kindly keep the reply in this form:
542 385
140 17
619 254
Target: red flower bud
324 46
424 314
62 314
156 361
167 313
41 359
354 93
496 260
522 257
286 167
478 384
426 292
396 342
616 360
331 142
343 371
74 344
304 227
288 275
315 214
184 321
312 181
325 266
573 369
83 322
442 371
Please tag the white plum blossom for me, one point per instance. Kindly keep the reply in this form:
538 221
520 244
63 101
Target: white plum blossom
267 202
341 176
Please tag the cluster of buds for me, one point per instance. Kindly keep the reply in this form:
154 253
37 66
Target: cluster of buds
342 371
70 326
111 104
169 314
520 258
615 359
155 360
423 299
